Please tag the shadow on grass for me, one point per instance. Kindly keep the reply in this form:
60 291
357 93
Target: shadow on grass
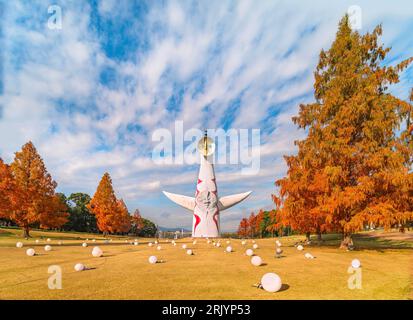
363 241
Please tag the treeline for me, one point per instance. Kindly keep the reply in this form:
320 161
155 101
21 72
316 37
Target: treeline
28 200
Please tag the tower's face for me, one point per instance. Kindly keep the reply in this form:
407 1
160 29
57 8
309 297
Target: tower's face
206 146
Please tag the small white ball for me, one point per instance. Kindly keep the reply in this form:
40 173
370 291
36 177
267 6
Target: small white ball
184 246
30 252
228 249
150 244
174 244
256 261
208 241
84 244
356 263
249 252
255 246
19 244
156 242
194 242
97 252
228 242
309 255
79 267
47 248
253 241
48 240
93 240
279 251
152 259
189 252
278 243
37 240
60 243
300 247
135 243
158 248
218 244
87 239
244 243
271 282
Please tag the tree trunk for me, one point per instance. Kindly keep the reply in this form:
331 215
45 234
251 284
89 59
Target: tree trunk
307 236
26 231
319 237
347 242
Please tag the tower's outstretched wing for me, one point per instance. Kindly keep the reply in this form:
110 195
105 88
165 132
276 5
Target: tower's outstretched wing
229 201
183 201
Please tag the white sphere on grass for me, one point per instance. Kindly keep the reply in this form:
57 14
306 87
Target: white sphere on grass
271 282
218 244
158 248
309 255
19 244
278 251
30 252
356 263
300 247
228 249
97 252
47 248
84 244
189 252
152 259
244 243
249 252
79 267
184 246
37 240
256 261
150 244
48 240
255 246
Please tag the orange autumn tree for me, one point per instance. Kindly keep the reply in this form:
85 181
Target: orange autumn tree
111 214
34 192
123 219
136 222
243 229
353 167
7 190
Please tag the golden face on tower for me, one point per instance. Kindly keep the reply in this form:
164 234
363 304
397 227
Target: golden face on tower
206 146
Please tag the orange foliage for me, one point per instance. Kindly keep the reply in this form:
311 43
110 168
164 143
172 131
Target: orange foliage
353 167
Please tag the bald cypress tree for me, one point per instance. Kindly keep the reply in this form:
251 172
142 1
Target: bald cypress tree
353 168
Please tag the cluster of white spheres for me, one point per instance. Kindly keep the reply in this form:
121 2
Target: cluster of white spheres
189 252
30 252
19 244
79 267
249 252
356 263
184 246
150 244
97 252
255 246
228 249
47 248
256 261
84 244
152 259
278 243
271 282
300 247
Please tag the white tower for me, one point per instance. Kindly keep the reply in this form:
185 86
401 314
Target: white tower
206 206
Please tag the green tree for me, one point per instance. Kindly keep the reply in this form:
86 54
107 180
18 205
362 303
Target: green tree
80 219
148 230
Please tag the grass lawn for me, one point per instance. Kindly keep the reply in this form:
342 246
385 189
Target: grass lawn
124 272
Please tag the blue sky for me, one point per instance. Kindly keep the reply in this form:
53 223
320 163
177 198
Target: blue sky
90 94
